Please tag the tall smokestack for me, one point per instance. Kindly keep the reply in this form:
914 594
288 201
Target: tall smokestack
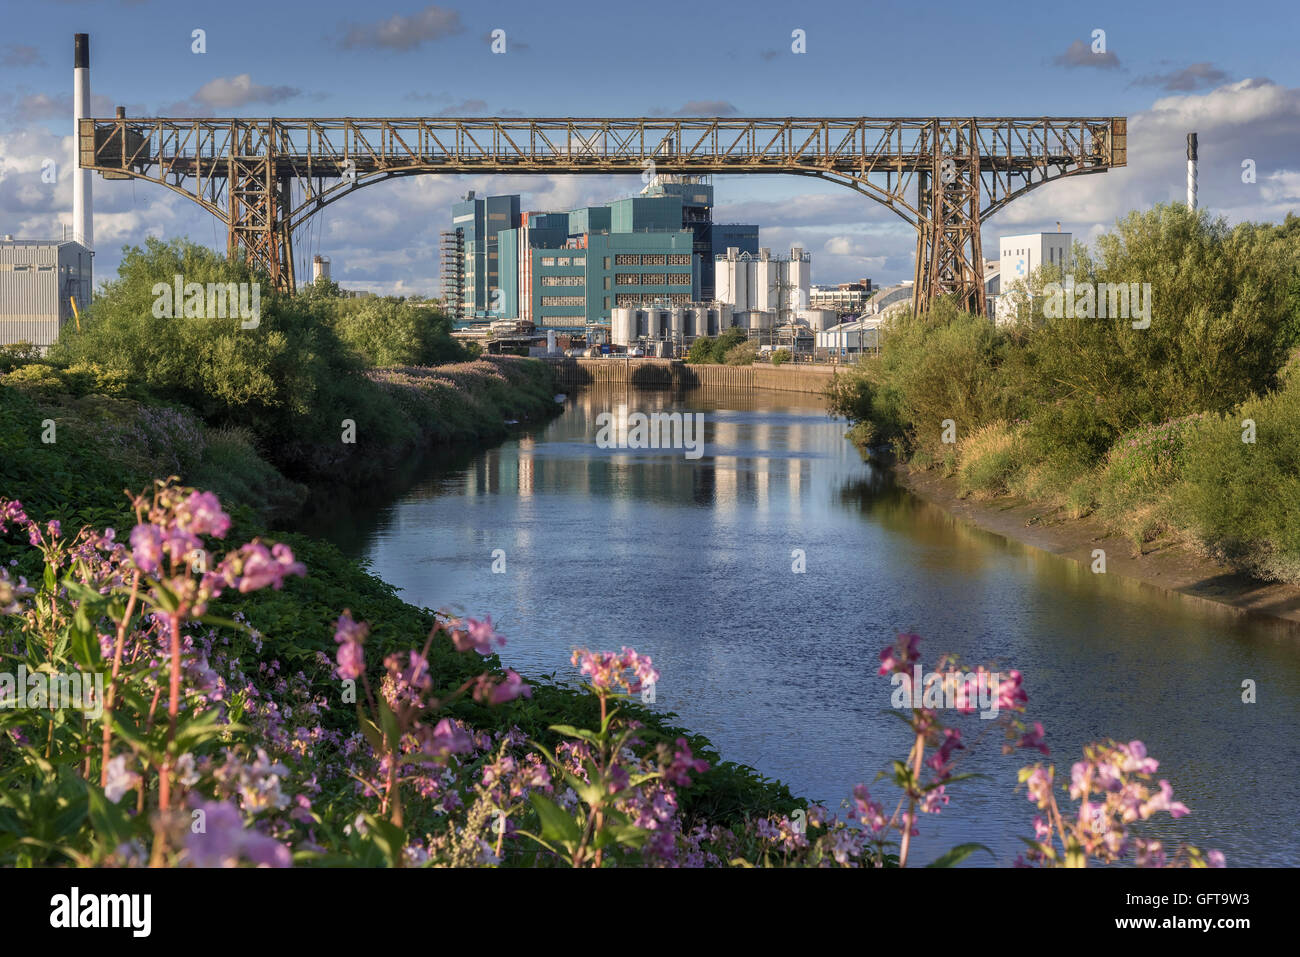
1191 171
82 229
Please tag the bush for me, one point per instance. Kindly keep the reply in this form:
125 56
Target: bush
1242 499
780 356
392 332
290 380
701 351
743 354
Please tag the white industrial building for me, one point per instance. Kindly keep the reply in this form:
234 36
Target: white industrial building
851 337
1019 257
764 283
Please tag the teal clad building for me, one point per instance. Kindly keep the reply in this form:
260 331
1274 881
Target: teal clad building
566 271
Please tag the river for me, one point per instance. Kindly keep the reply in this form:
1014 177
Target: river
691 560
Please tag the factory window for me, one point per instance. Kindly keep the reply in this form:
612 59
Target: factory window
653 279
653 260
500 217
679 279
21 268
606 282
679 259
562 281
580 260
548 260
563 300
564 261
607 302
606 262
626 259
627 279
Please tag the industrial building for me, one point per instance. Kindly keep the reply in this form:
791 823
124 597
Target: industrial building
471 253
846 298
764 283
851 337
568 271
39 281
1020 256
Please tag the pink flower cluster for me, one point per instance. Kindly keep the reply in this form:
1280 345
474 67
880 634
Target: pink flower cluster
607 670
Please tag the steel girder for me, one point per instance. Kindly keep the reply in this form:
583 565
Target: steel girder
944 176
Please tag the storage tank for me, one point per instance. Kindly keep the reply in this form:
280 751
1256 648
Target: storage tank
622 320
800 276
819 320
651 328
676 324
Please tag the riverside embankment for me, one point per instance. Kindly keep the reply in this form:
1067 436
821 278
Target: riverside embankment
1172 568
676 374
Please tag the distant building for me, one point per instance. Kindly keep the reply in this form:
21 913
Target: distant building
471 256
846 298
851 337
39 279
568 271
764 283
1019 257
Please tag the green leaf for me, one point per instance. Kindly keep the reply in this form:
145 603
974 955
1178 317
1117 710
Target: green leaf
569 731
959 854
109 821
557 825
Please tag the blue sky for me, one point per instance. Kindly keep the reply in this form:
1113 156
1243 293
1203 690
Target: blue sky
1229 73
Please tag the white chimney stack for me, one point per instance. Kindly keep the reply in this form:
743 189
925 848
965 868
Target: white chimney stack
82 229
1191 171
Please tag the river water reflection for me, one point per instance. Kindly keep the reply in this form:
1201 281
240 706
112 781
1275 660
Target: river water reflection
690 561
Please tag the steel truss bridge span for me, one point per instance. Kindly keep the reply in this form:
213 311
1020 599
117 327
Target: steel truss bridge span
264 178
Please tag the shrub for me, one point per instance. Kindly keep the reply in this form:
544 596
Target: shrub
780 356
392 332
1242 499
701 351
743 354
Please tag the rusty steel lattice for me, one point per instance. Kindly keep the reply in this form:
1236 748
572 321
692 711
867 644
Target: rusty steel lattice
265 177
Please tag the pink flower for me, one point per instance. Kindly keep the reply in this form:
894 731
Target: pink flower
350 634
222 841
901 655
676 769
447 738
262 567
510 689
206 516
147 548
477 635
1034 739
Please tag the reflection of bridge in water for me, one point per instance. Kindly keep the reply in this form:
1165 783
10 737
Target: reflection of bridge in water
944 175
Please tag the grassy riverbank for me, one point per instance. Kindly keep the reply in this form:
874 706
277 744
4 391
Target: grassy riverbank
1181 433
